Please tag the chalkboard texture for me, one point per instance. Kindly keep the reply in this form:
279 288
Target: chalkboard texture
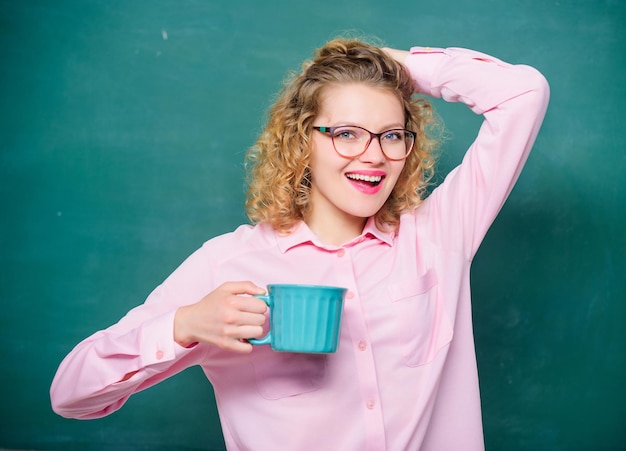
122 135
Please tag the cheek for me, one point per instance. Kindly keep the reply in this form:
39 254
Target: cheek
396 170
313 165
323 159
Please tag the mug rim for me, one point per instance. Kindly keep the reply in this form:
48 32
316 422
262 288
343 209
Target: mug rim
299 285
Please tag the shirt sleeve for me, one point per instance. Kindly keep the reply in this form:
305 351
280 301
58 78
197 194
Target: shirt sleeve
513 100
89 382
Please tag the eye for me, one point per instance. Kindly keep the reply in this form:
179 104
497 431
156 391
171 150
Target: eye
347 134
393 135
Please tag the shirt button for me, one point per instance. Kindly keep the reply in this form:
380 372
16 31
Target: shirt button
362 345
350 295
341 252
159 354
370 404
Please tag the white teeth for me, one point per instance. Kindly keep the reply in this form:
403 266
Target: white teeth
365 178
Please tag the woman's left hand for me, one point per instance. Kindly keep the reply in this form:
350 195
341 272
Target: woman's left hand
398 55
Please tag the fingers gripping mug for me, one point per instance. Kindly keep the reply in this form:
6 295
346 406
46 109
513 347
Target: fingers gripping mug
303 318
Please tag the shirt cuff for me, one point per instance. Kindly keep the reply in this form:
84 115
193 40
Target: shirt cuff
422 63
157 343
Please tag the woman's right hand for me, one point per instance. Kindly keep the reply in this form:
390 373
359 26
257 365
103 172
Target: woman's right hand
223 318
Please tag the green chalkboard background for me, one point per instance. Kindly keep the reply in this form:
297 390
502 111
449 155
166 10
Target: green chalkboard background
122 134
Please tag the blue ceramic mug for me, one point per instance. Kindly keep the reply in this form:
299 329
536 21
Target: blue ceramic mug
303 318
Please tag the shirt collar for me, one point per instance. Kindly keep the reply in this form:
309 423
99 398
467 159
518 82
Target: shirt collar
301 234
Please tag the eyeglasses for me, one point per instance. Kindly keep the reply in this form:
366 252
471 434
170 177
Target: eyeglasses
351 141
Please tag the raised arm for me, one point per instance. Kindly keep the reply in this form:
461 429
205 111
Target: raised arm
513 100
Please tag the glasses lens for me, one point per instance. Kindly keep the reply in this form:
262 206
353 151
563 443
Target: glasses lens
350 141
397 143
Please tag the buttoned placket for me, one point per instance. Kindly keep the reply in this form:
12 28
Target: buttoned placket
354 319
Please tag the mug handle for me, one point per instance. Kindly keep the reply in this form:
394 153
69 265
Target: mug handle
267 339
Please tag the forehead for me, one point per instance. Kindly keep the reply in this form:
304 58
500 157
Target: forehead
360 104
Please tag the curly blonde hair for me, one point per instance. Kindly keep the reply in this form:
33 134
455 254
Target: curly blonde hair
278 164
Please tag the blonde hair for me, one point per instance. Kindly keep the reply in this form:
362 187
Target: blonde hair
278 172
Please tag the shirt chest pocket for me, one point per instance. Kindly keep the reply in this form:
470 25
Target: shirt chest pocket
424 327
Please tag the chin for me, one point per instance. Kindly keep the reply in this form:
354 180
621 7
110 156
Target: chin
363 213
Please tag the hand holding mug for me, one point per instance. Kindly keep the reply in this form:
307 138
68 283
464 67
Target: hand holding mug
223 318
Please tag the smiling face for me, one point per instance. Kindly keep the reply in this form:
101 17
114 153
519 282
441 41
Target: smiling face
347 191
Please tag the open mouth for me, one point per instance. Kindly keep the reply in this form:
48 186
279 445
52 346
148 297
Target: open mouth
371 180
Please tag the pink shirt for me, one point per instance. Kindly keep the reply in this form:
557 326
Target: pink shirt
404 376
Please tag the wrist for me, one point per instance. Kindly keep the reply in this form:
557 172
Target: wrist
181 334
398 55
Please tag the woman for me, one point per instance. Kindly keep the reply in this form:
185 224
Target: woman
337 181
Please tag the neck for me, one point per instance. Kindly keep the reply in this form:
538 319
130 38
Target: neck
335 230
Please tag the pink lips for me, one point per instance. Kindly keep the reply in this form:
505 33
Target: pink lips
367 182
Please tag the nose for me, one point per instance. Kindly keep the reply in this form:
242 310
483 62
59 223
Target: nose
373 152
